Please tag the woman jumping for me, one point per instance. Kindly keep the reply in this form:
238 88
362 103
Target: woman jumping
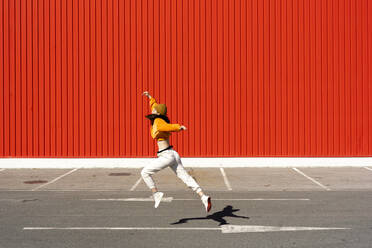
161 131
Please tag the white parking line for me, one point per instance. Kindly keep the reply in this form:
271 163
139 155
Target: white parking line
227 183
311 179
123 228
54 180
65 190
251 199
136 184
170 199
223 228
148 199
367 168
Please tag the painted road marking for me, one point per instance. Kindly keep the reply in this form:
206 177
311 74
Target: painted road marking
123 228
250 229
311 179
227 183
251 199
164 199
54 180
2 170
136 184
64 190
170 199
10 200
223 228
367 168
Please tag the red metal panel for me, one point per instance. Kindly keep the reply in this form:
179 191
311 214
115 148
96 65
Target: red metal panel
231 79
29 80
244 80
18 79
23 75
249 78
52 92
104 80
237 78
47 81
116 91
312 82
254 104
369 68
70 79
93 77
145 66
116 109
122 100
365 79
58 79
278 76
6 78
41 100
342 77
225 107
301 80
87 73
250 72
12 77
348 76
2 79
185 62
132 93
129 127
272 85
336 72
99 58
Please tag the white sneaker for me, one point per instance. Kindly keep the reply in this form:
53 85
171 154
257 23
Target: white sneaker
206 200
157 198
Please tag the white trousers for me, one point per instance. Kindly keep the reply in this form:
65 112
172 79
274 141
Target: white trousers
172 159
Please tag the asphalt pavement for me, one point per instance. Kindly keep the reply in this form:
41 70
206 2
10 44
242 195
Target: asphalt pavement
252 207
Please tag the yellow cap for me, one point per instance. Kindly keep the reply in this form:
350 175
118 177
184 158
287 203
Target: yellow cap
161 109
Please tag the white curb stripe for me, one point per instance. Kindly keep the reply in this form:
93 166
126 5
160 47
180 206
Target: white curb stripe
56 179
227 183
230 162
367 168
136 184
311 179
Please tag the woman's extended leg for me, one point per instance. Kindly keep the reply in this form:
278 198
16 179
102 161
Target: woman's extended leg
180 171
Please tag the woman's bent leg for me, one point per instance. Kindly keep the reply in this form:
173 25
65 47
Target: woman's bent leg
157 165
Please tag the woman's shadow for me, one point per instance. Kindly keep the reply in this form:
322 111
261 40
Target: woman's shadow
228 211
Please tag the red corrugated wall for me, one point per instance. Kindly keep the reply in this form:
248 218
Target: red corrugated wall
248 78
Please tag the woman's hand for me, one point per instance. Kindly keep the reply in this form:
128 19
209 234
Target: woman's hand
146 93
183 128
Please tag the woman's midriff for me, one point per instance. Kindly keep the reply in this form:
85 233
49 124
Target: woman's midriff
163 144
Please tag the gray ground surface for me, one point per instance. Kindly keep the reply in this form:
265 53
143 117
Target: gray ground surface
70 201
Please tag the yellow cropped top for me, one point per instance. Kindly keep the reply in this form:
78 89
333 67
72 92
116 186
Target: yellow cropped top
161 130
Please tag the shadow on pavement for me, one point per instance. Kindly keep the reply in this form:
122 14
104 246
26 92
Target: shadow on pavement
219 216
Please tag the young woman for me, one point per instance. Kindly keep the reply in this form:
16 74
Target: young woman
161 131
